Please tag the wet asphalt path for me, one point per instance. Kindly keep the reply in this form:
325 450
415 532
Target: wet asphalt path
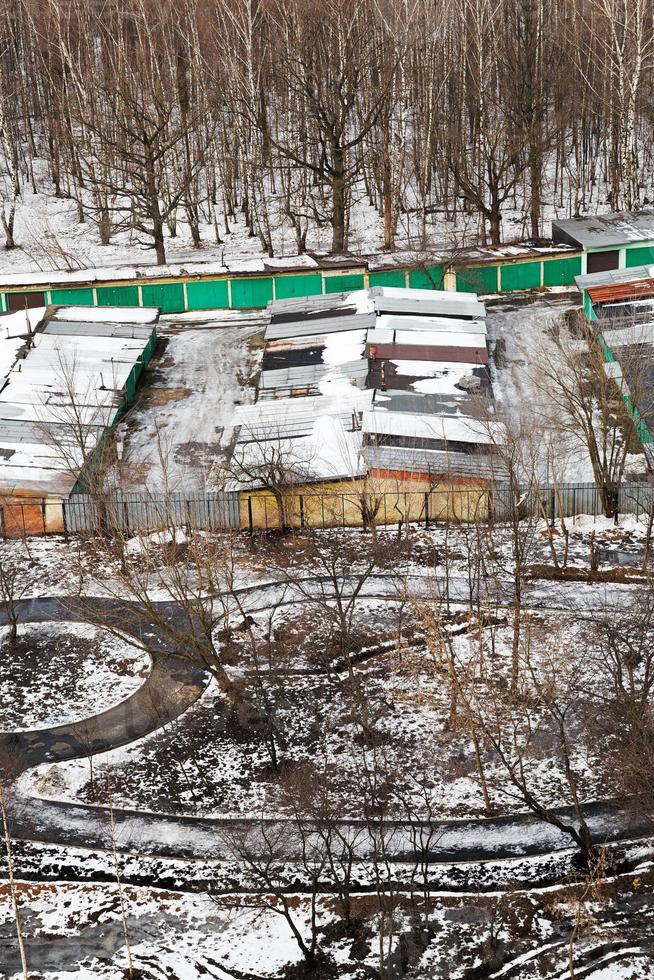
172 687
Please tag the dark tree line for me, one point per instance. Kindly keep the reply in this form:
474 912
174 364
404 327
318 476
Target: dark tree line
286 115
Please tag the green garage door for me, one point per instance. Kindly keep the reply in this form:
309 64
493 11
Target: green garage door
118 296
392 277
482 279
561 272
251 292
642 255
72 297
288 287
431 278
168 296
522 275
211 295
343 284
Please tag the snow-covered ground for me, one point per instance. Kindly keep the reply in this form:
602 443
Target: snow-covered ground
58 673
49 236
81 931
182 422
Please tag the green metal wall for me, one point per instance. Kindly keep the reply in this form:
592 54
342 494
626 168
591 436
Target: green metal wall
522 275
341 284
247 293
212 294
642 255
288 287
392 277
168 296
72 297
480 279
561 272
431 278
256 291
118 295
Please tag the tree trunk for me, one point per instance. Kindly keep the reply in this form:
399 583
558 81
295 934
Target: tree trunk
338 196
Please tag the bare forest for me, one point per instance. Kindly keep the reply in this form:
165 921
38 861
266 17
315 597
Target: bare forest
475 118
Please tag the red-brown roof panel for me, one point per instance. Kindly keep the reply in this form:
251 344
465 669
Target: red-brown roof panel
621 290
419 352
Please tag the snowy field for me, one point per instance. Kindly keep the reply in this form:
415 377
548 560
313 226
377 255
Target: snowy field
57 673
49 237
215 916
205 365
77 932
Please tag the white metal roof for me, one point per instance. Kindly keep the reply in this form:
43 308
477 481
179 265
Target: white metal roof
60 397
426 338
449 324
603 230
443 428
107 314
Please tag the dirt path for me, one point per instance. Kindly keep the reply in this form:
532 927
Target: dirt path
181 423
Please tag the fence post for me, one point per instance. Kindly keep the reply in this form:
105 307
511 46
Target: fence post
301 510
250 521
427 511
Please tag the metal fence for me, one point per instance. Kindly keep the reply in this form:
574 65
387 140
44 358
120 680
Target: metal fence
135 513
132 513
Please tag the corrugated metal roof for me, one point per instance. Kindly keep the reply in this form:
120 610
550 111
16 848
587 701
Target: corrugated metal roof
144 315
426 302
419 352
441 323
613 276
308 328
444 429
618 291
59 399
293 417
432 461
302 377
427 338
71 329
603 230
420 403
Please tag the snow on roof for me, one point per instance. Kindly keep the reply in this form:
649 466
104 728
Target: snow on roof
603 230
450 324
312 376
324 431
107 314
443 429
426 302
64 392
328 451
426 338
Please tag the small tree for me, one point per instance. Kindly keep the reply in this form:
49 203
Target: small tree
595 403
274 465
11 590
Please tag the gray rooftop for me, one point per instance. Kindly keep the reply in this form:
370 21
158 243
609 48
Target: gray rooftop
614 277
311 374
433 461
604 230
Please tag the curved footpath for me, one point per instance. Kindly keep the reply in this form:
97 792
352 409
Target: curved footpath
170 688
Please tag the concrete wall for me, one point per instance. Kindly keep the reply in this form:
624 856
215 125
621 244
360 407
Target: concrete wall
387 499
